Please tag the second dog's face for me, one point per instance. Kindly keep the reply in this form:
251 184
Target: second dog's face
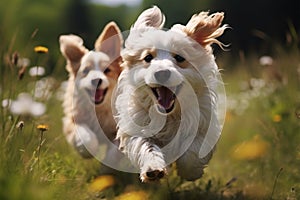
96 76
95 72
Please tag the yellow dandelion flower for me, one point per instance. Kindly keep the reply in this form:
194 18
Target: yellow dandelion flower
133 195
42 127
101 183
277 118
250 150
41 49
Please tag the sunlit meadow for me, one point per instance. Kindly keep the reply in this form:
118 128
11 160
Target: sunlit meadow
258 155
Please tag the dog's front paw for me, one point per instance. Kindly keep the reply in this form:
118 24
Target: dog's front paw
153 175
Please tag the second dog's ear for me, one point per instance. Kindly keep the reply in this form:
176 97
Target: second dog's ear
110 41
71 46
206 28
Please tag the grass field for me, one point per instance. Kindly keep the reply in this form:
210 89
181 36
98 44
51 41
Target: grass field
258 155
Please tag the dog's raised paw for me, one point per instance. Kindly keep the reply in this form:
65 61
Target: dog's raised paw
153 175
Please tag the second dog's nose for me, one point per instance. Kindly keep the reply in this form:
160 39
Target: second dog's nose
96 82
162 75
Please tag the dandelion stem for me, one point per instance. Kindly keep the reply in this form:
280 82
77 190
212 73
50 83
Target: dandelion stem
275 183
39 148
12 129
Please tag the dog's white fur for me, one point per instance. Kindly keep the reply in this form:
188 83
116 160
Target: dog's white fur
87 102
151 137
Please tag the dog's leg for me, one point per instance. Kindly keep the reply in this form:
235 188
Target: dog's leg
146 155
85 141
190 166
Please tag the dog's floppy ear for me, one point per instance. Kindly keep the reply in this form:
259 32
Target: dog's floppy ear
151 17
206 28
110 41
71 46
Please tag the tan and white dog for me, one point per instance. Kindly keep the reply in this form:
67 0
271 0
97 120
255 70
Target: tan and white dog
166 99
92 78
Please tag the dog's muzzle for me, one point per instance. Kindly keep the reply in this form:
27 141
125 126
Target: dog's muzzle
97 94
165 96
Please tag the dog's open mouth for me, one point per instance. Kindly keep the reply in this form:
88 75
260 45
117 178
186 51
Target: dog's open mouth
166 97
98 94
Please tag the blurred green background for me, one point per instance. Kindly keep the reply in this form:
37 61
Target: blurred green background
255 24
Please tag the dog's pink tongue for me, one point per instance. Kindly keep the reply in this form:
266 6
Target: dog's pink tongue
165 97
99 95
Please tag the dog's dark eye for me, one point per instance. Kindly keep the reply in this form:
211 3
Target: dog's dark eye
85 71
179 58
148 58
107 70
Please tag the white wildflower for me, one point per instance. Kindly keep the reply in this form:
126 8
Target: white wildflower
266 60
6 103
43 88
37 71
24 105
257 83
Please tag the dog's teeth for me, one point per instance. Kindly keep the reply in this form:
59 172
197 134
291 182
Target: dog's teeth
170 105
172 102
157 91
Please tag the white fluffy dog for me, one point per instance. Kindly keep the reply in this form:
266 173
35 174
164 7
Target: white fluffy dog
166 100
92 77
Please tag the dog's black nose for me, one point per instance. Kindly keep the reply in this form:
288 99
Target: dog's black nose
96 82
162 75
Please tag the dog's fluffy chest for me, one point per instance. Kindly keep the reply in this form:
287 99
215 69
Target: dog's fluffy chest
168 132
